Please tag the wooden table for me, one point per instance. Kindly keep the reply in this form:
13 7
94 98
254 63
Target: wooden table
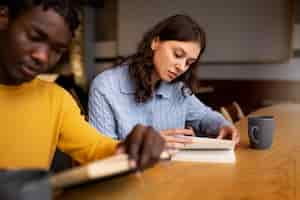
257 174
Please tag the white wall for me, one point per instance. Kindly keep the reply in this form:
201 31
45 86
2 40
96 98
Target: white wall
289 70
296 42
285 71
237 31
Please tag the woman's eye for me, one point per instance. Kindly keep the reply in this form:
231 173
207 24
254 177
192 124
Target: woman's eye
178 55
189 63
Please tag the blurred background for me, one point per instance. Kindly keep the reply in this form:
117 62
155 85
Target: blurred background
253 51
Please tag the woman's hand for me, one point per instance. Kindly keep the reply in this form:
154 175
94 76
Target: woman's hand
173 139
229 132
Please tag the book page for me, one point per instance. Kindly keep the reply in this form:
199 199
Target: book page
207 156
209 143
209 150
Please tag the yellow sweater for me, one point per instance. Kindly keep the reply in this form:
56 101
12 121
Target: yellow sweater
36 117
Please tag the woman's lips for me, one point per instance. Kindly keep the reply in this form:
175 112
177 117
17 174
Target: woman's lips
172 74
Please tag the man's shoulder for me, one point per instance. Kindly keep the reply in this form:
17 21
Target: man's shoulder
49 87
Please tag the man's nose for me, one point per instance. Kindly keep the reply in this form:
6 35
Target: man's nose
41 55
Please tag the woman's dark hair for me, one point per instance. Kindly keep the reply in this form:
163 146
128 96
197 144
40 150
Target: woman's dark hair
68 9
178 28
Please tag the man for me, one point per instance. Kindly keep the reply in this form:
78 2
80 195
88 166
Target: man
3 13
37 116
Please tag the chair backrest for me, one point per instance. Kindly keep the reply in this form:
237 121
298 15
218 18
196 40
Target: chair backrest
232 112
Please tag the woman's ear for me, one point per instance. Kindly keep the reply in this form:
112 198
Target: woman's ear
154 44
3 17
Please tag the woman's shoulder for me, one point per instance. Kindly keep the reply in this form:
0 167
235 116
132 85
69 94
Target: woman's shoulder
181 90
112 73
110 78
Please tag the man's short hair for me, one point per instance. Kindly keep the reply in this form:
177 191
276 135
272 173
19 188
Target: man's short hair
3 2
68 9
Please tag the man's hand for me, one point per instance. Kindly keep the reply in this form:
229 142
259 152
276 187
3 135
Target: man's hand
143 146
229 132
172 139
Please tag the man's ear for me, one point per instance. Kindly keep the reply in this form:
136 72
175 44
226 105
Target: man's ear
3 17
154 44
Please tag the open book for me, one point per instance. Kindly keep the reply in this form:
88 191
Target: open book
207 150
110 166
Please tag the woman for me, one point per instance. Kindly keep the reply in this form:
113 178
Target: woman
155 86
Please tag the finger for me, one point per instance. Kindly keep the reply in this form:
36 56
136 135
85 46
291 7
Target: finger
145 155
235 139
187 131
151 149
222 134
233 132
134 142
174 139
172 151
230 133
120 149
236 136
181 131
160 145
193 133
167 132
174 145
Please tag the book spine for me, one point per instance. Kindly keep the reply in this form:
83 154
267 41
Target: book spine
69 177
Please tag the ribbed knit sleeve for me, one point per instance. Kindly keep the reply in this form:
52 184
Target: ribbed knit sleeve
203 118
100 113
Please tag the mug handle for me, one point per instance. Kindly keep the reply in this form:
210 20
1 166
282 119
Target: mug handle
252 134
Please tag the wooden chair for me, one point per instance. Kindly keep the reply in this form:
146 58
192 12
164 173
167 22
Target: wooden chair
232 112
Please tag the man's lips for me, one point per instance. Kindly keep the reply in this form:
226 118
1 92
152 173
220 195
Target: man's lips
28 71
